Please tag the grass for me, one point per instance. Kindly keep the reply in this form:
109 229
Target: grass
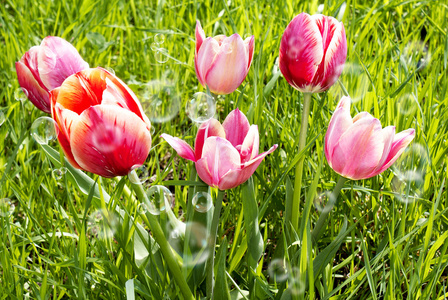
386 238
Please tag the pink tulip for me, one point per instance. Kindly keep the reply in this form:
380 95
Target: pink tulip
312 52
359 148
221 62
45 67
225 155
102 127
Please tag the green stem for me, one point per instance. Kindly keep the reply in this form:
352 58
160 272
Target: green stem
317 231
212 244
159 237
294 210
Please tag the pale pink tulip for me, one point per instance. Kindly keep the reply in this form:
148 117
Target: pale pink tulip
359 148
313 50
225 155
102 127
45 67
221 62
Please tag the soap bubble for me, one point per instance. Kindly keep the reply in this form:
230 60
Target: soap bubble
202 202
161 55
142 173
6 207
2 118
44 130
159 38
415 56
155 47
407 104
355 80
201 108
21 94
321 201
160 100
159 198
112 71
59 173
277 270
102 224
296 285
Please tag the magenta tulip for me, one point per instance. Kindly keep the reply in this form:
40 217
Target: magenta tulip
45 67
313 50
102 127
221 62
359 148
225 155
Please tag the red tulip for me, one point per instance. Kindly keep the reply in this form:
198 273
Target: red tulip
45 67
225 155
313 50
358 148
103 128
221 62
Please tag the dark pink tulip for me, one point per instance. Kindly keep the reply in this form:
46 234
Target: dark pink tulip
102 127
45 67
221 62
225 155
359 148
313 50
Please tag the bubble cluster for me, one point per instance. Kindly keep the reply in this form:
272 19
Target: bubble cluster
20 94
102 224
160 100
142 173
160 53
6 207
202 202
59 173
201 107
44 130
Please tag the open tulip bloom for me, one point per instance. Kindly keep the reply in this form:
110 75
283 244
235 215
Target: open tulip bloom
222 62
45 67
102 127
225 155
359 148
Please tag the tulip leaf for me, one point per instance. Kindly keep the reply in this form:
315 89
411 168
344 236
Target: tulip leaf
221 290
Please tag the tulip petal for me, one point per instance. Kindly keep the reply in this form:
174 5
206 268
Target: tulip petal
229 67
108 140
250 43
205 57
388 138
301 52
57 60
32 89
182 148
399 144
200 36
236 127
249 148
359 149
238 176
204 172
207 129
339 123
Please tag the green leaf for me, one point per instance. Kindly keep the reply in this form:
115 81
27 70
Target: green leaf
221 290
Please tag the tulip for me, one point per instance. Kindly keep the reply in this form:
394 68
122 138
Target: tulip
45 67
359 148
102 127
313 50
221 62
225 155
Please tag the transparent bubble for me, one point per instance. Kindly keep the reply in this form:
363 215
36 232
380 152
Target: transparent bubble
44 130
201 108
415 56
106 137
102 224
277 270
296 285
112 71
226 47
355 81
161 55
142 174
21 94
320 202
409 170
6 207
202 202
159 38
155 46
407 104
2 118
159 198
198 243
59 173
160 100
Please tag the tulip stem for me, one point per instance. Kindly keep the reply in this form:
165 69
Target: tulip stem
212 244
317 231
159 237
294 210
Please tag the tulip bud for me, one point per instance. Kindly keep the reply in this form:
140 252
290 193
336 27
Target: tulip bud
102 127
45 67
225 155
313 50
359 148
221 62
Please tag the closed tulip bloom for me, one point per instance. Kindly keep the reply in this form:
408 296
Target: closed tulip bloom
225 155
313 50
359 148
45 67
222 62
102 127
